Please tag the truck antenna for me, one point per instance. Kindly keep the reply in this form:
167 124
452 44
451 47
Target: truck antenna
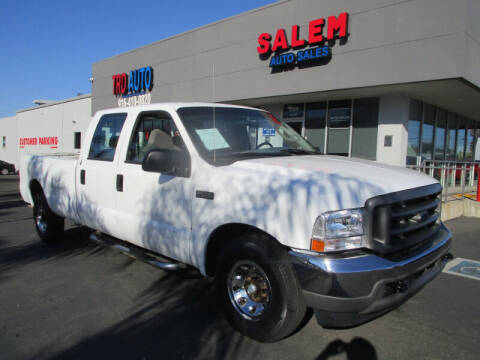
213 101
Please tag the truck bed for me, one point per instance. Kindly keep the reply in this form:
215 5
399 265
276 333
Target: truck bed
56 175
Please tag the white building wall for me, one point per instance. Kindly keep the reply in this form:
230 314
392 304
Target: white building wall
8 128
393 121
60 120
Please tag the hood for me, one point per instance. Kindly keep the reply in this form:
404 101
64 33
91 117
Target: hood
363 178
284 195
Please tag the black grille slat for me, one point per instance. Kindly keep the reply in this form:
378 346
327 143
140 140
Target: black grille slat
414 209
410 227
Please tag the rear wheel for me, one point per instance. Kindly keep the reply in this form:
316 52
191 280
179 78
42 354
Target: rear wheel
258 288
49 226
4 172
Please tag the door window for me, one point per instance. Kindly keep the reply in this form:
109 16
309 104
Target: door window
105 138
154 130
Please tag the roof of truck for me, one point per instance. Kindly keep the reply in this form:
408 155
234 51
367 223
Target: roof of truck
172 106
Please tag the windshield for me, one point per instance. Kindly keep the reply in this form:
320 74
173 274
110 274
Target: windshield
223 135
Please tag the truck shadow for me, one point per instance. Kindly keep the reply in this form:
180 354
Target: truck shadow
175 318
74 244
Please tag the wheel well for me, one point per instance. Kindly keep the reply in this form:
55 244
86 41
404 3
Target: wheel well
35 188
222 235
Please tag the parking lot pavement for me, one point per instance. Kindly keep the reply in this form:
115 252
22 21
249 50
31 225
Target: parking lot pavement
78 300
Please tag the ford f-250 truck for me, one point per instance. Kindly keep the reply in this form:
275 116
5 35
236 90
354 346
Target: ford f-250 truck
239 195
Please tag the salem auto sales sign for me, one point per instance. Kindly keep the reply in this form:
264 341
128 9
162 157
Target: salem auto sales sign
321 34
133 88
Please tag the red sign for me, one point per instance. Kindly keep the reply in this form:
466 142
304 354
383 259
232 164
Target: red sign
337 27
44 140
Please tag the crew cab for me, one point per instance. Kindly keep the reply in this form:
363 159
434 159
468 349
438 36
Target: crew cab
239 195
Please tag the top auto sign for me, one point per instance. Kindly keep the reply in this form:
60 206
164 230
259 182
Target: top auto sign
319 43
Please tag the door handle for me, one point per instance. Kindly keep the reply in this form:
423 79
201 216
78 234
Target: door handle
119 182
82 177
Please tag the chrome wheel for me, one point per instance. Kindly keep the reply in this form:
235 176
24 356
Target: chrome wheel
40 219
249 289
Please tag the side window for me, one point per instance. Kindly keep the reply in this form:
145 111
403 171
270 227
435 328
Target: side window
153 130
105 138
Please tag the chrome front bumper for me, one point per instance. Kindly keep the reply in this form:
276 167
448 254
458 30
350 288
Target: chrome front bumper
347 291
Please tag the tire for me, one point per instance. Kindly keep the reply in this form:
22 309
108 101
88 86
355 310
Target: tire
271 309
49 226
4 171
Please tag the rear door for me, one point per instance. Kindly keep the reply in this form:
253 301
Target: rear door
96 174
154 209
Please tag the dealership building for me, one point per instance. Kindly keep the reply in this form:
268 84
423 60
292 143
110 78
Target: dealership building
388 80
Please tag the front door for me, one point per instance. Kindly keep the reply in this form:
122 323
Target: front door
154 210
95 177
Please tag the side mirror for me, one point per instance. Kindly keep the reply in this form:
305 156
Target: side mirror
168 162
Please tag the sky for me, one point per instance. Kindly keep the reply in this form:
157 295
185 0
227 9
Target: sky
47 47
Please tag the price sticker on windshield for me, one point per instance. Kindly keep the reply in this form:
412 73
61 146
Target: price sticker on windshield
268 132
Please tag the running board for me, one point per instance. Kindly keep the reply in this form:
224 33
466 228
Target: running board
136 252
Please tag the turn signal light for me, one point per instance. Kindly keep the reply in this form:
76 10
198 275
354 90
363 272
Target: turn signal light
318 245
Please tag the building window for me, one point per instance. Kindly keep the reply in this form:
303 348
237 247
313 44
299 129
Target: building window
451 136
428 128
435 133
470 146
440 134
365 128
77 140
462 127
292 111
414 122
315 121
339 126
4 141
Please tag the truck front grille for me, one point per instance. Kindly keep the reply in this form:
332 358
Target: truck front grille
403 219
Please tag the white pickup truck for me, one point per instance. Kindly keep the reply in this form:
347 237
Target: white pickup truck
239 195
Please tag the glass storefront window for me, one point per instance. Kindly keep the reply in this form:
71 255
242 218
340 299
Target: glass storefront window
365 128
470 146
451 136
339 119
414 122
315 118
293 111
427 131
339 114
461 138
440 133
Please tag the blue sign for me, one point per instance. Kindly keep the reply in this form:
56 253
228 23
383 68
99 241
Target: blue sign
301 57
268 132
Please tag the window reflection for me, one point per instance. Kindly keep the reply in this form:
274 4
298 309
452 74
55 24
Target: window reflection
414 131
440 133
427 131
461 138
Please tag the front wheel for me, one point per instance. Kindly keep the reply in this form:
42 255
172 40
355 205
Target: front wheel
4 171
49 226
259 289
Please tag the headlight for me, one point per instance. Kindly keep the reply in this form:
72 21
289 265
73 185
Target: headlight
338 230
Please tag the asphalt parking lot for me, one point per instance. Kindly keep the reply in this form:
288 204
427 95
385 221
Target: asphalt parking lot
78 300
